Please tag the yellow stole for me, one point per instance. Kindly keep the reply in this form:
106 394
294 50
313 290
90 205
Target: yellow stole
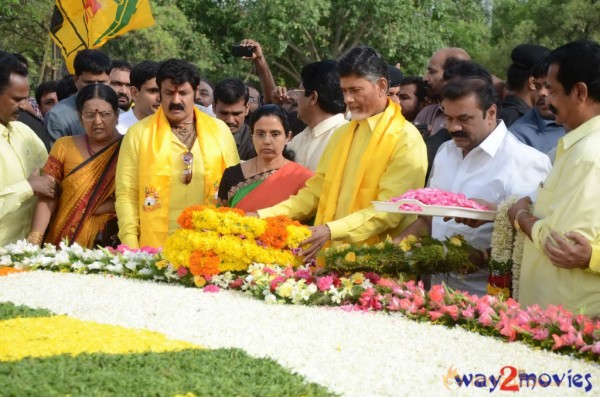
155 172
375 158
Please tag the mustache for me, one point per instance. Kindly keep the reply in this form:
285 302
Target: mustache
176 106
553 109
458 134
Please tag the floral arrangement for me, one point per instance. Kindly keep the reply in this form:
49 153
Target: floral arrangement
506 255
552 329
146 263
414 255
215 240
438 197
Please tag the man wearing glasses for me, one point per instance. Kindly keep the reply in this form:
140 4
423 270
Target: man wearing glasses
170 160
321 106
376 156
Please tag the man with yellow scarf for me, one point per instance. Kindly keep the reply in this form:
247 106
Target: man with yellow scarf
170 160
376 156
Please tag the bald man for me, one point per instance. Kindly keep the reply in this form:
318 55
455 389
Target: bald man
432 115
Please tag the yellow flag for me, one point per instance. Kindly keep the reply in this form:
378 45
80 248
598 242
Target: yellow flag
81 24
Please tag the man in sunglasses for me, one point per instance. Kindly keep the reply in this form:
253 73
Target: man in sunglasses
170 160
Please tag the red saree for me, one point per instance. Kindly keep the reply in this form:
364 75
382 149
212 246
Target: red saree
286 182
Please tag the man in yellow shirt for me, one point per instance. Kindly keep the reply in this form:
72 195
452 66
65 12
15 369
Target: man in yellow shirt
376 156
22 153
170 160
560 269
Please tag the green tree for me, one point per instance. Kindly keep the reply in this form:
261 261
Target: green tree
546 22
24 28
171 36
293 33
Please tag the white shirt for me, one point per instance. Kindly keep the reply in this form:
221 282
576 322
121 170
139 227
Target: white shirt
126 120
310 144
500 167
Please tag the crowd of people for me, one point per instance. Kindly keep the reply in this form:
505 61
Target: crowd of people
114 153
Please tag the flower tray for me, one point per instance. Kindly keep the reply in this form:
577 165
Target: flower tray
409 206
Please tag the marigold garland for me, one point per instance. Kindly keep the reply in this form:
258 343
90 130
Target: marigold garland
214 240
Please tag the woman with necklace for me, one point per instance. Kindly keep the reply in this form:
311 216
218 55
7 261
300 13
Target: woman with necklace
271 177
84 167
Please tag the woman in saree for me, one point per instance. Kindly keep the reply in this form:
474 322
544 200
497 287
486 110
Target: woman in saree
84 166
271 177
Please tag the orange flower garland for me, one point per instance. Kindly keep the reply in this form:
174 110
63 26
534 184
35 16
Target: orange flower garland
204 263
215 240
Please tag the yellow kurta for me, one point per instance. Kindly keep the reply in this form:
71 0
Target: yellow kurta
21 151
180 195
567 201
404 170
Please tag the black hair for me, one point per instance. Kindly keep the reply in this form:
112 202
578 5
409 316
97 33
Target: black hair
10 64
179 72
143 72
516 77
322 77
540 68
66 87
100 91
230 91
473 85
462 69
421 91
363 62
45 88
282 115
121 64
578 61
91 61
21 59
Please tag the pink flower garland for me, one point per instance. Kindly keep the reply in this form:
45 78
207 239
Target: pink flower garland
553 328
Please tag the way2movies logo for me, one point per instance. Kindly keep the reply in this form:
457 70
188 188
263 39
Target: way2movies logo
512 379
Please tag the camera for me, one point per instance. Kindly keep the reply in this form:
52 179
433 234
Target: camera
242 51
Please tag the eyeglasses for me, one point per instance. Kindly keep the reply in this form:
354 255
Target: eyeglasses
104 116
252 99
294 94
186 173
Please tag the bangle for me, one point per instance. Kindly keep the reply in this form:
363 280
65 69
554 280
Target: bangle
516 221
35 238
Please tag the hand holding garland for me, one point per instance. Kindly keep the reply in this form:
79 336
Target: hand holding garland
520 217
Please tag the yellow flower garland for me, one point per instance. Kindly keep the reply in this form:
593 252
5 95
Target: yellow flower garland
216 240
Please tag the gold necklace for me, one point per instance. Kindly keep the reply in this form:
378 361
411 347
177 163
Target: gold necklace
186 133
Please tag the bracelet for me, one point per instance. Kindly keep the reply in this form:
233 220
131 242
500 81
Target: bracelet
516 221
35 238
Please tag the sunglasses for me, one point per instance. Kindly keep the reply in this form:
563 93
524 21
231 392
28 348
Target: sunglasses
186 173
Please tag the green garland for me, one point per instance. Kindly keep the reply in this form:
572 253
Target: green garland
423 255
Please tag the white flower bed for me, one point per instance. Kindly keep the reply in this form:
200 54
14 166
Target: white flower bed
351 353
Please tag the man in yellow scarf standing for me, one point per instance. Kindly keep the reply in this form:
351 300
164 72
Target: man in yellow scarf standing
170 160
376 156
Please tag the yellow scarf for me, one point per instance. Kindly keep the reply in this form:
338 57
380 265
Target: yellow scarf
155 172
375 158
